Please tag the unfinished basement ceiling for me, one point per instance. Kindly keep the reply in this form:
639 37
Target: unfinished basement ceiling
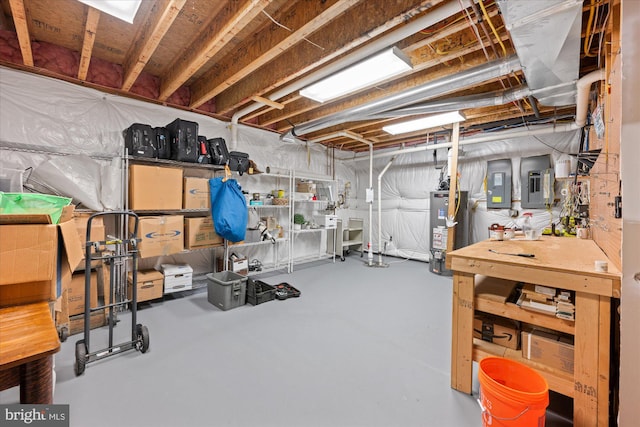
251 57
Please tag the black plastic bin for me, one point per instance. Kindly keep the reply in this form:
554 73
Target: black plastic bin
259 292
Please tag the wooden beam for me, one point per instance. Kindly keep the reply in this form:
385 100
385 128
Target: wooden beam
90 30
270 103
303 19
5 23
22 29
235 17
453 185
359 25
162 15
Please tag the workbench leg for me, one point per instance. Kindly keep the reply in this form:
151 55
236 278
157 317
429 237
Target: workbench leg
605 361
36 381
591 384
462 332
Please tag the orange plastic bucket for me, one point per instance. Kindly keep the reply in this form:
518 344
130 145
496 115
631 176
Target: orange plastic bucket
511 394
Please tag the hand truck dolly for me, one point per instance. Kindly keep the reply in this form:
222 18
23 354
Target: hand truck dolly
116 252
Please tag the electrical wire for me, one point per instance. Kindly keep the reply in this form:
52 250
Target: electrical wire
602 34
495 32
290 30
585 46
475 29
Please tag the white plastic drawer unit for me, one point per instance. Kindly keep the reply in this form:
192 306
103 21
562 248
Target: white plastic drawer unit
177 277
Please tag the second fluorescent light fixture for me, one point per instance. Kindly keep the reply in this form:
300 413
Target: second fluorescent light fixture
425 123
122 9
365 73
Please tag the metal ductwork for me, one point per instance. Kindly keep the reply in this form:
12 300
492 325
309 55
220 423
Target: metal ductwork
432 89
434 16
546 36
489 99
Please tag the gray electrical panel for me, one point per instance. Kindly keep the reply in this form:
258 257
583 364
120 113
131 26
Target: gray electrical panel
499 184
537 182
439 208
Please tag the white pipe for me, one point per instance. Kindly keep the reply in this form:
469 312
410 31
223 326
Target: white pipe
356 137
380 211
583 87
406 30
493 136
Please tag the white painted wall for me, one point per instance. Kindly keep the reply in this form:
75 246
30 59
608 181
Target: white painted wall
630 153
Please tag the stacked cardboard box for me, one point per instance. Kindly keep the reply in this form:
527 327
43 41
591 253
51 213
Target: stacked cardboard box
155 188
196 193
160 235
199 232
37 258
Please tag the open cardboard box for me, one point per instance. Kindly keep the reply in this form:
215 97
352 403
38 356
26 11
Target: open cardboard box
37 258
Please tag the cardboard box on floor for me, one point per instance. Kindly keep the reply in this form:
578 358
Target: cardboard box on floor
37 259
498 330
149 285
76 292
550 348
154 187
199 232
161 235
196 193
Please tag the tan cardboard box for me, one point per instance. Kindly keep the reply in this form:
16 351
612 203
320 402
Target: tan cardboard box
200 232
76 295
306 187
196 193
549 348
154 187
29 256
498 330
98 232
149 285
161 235
61 309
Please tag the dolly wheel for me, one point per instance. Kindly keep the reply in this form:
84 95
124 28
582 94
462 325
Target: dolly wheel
63 333
81 357
342 258
143 337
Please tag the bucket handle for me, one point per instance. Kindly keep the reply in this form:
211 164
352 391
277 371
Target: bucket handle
488 421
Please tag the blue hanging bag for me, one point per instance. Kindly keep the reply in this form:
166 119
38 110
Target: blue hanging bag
228 209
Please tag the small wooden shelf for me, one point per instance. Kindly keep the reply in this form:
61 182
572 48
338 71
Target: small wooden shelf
512 311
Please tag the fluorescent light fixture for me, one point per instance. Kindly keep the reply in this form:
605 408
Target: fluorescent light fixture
425 123
121 9
365 73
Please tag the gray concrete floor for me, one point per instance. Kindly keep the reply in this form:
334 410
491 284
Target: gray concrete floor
362 346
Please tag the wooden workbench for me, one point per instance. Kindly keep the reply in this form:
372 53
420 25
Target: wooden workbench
560 262
28 340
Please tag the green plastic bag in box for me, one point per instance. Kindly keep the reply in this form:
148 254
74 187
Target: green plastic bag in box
33 203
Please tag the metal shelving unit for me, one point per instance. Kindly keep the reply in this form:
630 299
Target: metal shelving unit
199 280
310 207
284 213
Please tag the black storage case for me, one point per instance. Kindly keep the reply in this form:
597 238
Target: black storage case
204 156
163 143
239 162
184 140
218 151
140 140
